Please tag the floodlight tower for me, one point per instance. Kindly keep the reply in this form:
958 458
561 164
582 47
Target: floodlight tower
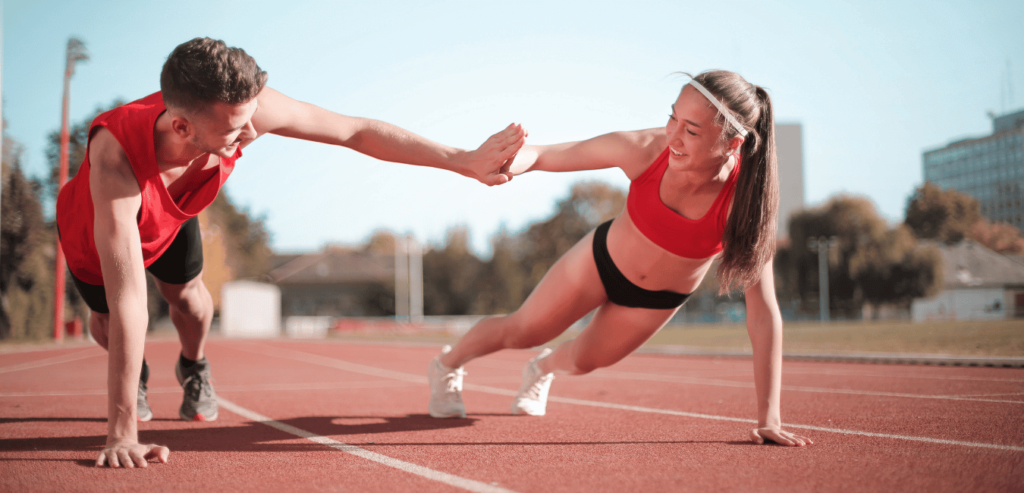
822 245
75 53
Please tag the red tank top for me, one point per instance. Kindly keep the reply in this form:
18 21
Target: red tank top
690 238
159 217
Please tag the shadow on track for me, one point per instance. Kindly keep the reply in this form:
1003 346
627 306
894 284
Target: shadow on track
247 437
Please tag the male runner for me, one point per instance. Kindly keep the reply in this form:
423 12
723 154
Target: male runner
151 166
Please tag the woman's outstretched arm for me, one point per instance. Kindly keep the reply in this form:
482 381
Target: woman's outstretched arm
632 151
764 325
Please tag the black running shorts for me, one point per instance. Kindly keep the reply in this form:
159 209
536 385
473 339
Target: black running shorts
179 264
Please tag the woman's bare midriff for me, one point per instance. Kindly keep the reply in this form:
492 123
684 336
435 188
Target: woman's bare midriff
648 265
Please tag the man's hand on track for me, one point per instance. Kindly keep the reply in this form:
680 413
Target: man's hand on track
131 454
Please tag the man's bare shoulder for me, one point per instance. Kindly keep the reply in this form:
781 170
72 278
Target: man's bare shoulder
110 170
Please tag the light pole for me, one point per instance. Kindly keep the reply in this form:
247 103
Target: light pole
822 245
75 52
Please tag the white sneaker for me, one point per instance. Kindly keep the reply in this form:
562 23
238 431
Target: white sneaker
445 389
533 395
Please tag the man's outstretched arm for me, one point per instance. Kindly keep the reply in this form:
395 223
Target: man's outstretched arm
278 114
116 200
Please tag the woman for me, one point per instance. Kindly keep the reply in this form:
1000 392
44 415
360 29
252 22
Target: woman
703 187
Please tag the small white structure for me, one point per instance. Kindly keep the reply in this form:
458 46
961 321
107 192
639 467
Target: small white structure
978 284
299 327
250 309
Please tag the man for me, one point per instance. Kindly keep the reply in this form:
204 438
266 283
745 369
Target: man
151 167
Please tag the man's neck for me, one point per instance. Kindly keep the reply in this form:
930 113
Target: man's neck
172 150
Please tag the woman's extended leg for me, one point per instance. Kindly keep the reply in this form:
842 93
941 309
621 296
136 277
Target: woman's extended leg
614 333
569 290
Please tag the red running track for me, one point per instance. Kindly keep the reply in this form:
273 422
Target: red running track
352 417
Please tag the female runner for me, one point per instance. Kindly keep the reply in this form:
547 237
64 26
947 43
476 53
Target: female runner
703 187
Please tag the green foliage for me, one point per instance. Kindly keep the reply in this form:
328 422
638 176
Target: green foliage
944 215
457 283
78 138
949 215
26 254
248 241
870 263
452 273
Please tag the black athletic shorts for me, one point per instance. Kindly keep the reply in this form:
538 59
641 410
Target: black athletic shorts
621 290
179 264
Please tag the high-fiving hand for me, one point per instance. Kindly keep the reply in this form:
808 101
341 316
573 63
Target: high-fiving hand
490 163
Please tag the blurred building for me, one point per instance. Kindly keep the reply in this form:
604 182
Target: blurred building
978 284
990 169
335 282
790 150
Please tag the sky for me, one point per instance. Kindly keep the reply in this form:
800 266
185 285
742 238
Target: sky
874 84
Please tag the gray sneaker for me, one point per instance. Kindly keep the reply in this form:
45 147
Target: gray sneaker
200 402
142 410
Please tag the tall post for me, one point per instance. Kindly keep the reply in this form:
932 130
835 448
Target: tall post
75 52
1 92
415 280
822 245
401 279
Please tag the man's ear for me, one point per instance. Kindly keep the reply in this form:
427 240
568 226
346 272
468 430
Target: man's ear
181 126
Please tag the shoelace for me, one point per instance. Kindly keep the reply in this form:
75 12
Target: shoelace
538 384
196 385
452 382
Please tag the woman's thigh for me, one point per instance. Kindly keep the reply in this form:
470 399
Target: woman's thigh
614 333
569 290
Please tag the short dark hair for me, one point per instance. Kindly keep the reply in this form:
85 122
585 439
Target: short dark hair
204 70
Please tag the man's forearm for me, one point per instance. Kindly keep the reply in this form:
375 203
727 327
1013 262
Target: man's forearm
388 142
127 337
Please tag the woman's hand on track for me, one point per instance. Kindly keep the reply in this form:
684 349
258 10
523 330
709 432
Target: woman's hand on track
490 163
777 435
125 453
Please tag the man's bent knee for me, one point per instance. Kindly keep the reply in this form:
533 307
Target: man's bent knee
98 327
191 297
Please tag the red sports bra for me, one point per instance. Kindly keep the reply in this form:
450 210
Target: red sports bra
690 238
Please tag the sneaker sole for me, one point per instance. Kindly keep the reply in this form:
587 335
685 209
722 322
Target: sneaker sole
518 411
197 417
435 414
146 417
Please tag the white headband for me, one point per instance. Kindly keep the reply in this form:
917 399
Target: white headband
721 107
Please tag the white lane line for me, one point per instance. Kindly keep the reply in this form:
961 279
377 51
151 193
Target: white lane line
441 477
56 360
620 375
224 388
895 374
370 370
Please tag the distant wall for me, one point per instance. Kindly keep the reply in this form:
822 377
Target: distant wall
963 304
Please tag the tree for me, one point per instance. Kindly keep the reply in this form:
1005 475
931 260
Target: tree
450 276
893 269
944 215
78 137
501 285
871 262
949 215
1001 237
589 204
26 253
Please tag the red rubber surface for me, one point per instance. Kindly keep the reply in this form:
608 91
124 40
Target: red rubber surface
53 423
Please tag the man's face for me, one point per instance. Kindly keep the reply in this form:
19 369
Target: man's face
222 127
